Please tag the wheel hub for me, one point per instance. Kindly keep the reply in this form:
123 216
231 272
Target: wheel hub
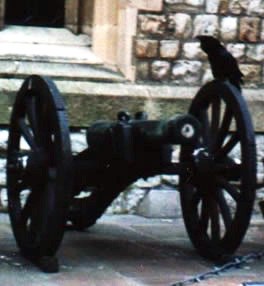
204 162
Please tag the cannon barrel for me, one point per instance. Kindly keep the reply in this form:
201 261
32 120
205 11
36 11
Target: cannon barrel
105 136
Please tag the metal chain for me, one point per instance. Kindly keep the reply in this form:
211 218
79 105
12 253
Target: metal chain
235 263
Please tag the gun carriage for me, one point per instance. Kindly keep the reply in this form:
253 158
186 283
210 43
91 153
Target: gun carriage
217 167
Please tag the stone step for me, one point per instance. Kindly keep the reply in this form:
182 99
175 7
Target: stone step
48 53
42 35
38 44
66 71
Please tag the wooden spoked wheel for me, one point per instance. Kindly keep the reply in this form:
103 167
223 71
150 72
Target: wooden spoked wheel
39 168
218 192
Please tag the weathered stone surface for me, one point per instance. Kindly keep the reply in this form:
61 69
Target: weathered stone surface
193 51
160 70
249 29
256 7
127 201
143 70
237 50
194 2
252 73
182 25
238 6
152 24
169 49
262 31
146 48
172 2
255 52
148 183
206 25
160 204
207 76
223 7
229 28
185 5
212 6
186 71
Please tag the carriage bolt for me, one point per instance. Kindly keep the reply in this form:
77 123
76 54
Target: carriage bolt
187 131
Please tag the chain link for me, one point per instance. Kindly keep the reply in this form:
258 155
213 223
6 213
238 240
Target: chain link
235 263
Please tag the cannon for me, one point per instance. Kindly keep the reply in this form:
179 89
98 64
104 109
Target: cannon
216 167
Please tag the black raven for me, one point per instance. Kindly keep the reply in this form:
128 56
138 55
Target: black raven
223 64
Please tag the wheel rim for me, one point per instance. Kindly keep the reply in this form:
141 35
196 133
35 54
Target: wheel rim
217 197
42 174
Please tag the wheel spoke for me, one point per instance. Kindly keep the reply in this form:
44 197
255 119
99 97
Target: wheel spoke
27 209
228 147
215 221
205 215
230 170
216 108
205 126
231 189
225 126
33 117
25 132
224 208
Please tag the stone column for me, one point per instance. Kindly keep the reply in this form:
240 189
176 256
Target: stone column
105 30
72 15
2 13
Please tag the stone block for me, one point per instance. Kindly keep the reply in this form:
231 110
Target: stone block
207 76
212 6
152 24
105 42
256 7
238 6
146 5
160 70
206 25
187 72
169 49
237 50
193 51
106 12
262 31
249 29
182 25
143 70
252 73
255 53
160 204
229 28
185 5
146 48
194 2
223 6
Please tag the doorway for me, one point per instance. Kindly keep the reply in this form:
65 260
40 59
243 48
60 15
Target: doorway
48 13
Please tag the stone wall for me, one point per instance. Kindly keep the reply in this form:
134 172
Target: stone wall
166 49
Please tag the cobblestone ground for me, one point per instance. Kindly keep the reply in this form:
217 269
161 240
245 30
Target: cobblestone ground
129 251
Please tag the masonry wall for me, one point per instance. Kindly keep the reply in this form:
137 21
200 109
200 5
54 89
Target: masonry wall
166 49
